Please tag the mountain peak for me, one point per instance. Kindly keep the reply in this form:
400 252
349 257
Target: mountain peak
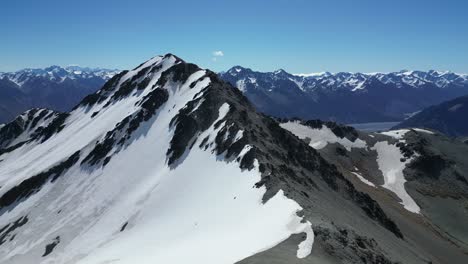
280 71
178 116
237 69
53 67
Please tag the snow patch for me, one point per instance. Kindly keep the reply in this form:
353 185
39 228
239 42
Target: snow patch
389 159
299 84
241 85
397 134
238 136
364 180
313 74
319 138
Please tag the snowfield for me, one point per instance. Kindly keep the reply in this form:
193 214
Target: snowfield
320 138
364 180
400 133
389 161
388 156
137 209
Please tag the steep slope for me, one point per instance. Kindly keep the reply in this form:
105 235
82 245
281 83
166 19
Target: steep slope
425 171
54 87
346 97
29 126
448 117
167 163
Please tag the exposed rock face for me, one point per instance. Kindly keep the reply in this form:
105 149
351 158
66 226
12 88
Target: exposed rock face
168 158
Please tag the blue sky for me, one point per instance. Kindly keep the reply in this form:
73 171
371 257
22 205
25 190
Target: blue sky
298 36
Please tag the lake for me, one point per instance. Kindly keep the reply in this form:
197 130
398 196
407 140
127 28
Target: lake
373 127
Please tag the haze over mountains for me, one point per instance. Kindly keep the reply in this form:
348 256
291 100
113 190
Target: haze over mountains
168 163
346 97
56 88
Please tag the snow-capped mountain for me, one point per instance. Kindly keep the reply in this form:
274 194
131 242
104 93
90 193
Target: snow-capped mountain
58 74
167 163
357 81
346 97
54 87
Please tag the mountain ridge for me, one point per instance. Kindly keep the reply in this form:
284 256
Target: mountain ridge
411 77
58 73
346 97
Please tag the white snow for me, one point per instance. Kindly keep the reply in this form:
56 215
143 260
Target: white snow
305 247
390 164
313 74
241 85
319 138
252 80
238 136
299 84
397 134
358 85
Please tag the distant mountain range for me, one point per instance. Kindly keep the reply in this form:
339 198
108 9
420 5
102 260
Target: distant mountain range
55 87
343 97
346 97
448 117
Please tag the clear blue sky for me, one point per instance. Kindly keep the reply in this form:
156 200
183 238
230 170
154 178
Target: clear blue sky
298 36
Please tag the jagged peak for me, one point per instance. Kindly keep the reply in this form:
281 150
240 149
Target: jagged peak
280 71
238 70
32 113
356 80
33 124
58 74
